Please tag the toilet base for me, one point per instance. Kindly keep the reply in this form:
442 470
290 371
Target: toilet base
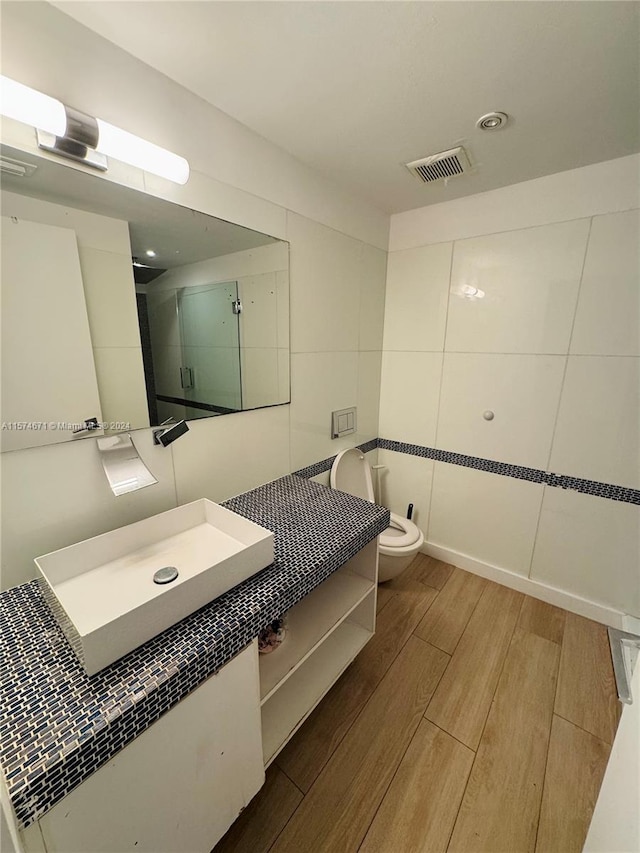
391 567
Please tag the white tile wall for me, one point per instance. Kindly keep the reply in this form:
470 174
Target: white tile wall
416 302
522 391
530 282
598 432
221 457
591 547
550 347
320 384
406 479
55 496
52 500
104 251
111 299
372 295
329 274
282 290
486 516
608 315
409 396
259 377
368 402
284 376
259 318
122 402
325 287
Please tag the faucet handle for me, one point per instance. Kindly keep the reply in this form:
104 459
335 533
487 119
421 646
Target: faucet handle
165 435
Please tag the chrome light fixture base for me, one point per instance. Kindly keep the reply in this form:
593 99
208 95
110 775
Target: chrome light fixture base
63 146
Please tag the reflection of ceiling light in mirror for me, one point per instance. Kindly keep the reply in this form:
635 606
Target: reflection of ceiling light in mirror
150 253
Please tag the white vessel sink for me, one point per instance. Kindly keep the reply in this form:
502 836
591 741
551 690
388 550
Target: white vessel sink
102 591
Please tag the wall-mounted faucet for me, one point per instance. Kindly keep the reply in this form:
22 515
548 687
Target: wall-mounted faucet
165 434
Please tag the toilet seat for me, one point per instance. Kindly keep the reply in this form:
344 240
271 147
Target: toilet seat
401 541
401 533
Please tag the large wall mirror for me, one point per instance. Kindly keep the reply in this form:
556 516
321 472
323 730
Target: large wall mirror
127 309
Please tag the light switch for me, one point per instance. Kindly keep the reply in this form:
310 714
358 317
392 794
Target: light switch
343 422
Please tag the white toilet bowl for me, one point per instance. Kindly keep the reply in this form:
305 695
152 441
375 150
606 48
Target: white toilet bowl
402 540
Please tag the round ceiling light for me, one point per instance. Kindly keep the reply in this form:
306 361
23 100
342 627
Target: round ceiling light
492 121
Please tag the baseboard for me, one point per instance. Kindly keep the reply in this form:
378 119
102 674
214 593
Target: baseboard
536 589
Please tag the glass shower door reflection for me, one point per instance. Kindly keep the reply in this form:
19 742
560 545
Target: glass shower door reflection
210 349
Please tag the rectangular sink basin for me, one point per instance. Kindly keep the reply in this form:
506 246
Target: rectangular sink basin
102 591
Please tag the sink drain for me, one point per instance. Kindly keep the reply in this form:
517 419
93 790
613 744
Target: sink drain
165 575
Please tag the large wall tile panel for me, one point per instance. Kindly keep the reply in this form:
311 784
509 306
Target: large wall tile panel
530 281
522 391
404 480
409 396
608 314
369 366
485 516
416 304
598 432
325 287
590 547
245 449
320 383
373 270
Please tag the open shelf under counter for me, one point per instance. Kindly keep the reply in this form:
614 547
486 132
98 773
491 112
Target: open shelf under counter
289 706
309 623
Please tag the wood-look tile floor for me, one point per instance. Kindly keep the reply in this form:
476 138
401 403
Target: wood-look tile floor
477 720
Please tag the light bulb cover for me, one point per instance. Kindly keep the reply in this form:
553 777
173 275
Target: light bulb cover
29 106
73 134
131 149
492 121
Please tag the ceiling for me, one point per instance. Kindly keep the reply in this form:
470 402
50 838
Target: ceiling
357 89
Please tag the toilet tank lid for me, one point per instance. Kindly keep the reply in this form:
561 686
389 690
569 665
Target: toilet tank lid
350 473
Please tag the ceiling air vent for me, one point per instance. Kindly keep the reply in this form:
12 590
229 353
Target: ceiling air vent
446 164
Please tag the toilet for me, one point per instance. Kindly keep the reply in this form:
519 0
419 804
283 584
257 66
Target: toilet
401 541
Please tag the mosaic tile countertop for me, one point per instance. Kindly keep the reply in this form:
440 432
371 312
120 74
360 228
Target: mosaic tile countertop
58 724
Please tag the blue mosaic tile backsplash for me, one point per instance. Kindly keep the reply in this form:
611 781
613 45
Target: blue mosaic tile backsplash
60 725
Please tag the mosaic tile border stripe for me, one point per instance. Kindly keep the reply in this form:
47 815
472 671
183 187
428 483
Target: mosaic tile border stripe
325 464
609 491
58 725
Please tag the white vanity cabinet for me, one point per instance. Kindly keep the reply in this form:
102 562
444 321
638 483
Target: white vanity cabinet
325 632
184 780
178 786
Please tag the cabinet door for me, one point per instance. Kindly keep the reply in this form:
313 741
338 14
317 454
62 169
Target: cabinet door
48 372
616 820
180 784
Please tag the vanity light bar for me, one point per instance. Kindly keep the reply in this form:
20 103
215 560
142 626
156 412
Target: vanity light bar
31 107
70 133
